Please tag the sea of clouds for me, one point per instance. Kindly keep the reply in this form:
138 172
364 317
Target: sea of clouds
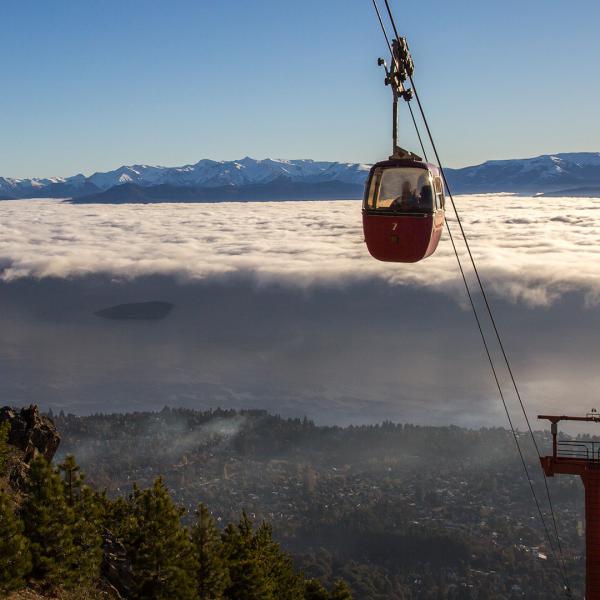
278 305
529 249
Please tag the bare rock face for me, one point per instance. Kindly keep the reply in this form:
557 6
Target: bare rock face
31 432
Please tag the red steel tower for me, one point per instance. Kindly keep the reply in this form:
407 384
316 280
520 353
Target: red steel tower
583 459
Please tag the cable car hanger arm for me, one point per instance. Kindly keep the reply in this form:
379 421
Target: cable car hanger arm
402 68
395 76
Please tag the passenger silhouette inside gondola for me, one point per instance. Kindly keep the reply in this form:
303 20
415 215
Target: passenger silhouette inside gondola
406 200
426 193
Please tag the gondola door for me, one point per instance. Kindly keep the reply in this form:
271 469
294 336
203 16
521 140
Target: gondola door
439 213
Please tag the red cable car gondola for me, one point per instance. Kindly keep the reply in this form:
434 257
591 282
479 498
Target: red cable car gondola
403 209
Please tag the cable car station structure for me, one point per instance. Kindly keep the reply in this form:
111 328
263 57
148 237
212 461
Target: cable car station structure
580 458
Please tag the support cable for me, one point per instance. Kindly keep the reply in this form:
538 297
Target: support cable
498 385
497 336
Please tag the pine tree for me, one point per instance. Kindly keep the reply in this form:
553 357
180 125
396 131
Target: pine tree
15 560
4 447
277 566
313 590
72 478
341 591
47 519
248 580
160 549
86 523
213 574
115 513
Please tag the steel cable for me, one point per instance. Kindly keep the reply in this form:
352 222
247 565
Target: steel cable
491 317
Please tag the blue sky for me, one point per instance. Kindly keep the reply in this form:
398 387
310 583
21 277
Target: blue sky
89 85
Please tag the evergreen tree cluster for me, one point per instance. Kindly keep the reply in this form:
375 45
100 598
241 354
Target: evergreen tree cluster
53 538
4 446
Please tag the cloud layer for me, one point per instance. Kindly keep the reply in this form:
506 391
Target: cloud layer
530 250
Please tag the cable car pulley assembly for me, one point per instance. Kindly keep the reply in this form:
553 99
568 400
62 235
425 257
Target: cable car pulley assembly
402 67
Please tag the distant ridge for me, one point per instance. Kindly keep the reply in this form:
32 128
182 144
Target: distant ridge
279 189
564 173
295 178
582 192
250 179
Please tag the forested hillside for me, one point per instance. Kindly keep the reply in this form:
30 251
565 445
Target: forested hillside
398 511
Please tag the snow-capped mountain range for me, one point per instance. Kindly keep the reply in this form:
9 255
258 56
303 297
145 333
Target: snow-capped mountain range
252 178
205 173
549 173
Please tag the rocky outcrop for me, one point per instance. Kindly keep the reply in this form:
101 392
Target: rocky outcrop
31 432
